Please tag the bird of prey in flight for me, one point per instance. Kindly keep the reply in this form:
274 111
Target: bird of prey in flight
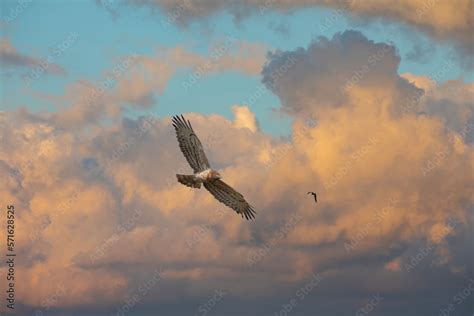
203 173
315 197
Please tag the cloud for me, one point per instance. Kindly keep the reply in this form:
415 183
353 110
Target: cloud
244 118
329 73
102 204
393 265
136 80
10 57
423 82
449 21
450 100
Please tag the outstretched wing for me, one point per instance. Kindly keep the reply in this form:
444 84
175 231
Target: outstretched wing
233 199
190 145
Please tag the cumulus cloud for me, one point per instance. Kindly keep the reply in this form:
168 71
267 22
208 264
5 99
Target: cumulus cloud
104 210
244 118
450 100
332 73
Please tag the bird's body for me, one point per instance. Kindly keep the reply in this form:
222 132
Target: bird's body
195 180
315 196
203 173
207 175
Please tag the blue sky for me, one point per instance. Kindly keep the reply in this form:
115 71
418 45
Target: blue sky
106 35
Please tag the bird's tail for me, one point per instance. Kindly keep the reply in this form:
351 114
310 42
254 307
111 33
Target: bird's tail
188 180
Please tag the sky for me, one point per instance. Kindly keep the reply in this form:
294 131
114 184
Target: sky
368 103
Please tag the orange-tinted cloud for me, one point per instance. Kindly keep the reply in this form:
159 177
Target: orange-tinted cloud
104 211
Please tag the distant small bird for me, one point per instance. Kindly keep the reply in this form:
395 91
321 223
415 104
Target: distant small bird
315 197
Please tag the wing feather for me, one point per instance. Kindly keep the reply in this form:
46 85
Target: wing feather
233 199
190 145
